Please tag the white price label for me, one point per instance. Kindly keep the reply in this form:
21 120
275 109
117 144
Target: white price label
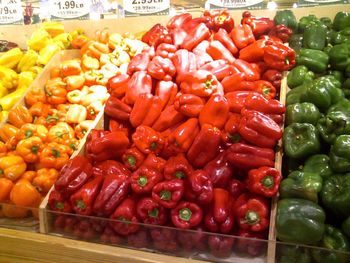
146 7
235 4
69 9
10 11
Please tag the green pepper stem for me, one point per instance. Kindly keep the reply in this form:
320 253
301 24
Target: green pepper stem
165 195
28 133
267 181
153 146
142 181
179 174
59 205
185 214
80 204
131 160
251 218
153 213
35 149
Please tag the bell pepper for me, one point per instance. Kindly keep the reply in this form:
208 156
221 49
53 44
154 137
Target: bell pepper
178 20
7 131
252 212
300 140
293 254
9 77
12 167
274 77
94 49
19 116
190 240
24 194
340 37
40 109
58 203
44 179
161 68
11 58
27 61
56 92
314 36
223 36
169 117
9 100
219 19
247 157
199 188
154 163
47 52
168 193
126 215
287 18
189 104
177 167
76 114
219 170
254 52
220 218
250 246
319 164
236 99
215 111
148 140
186 215
150 212
305 21
166 50
184 62
339 161
218 51
250 73
264 181
117 109
305 112
265 88
201 56
6 187
341 21
242 36
144 179
60 132
166 91
139 83
35 95
279 56
117 85
54 155
156 35
299 75
345 227
196 34
255 125
220 68
164 239
339 56
220 246
39 39
314 60
282 32
230 133
29 149
259 25
133 158
146 110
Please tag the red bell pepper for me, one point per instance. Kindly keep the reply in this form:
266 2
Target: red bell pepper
259 129
154 163
117 125
117 109
166 50
150 212
215 111
247 157
161 68
114 190
140 239
58 203
144 179
166 91
168 193
139 63
253 52
250 72
251 243
242 36
202 57
219 68
218 51
223 36
73 175
197 34
205 146
168 118
189 105
185 63
279 56
236 99
82 200
133 158
199 188
274 77
235 188
186 215
259 25
220 246
146 110
230 133
109 236
104 145
139 83
195 240
260 103
164 239
118 84
265 88
282 32
126 215
156 35
177 167
110 167
230 83
83 230
252 212
219 19
219 171
264 181
178 20
148 140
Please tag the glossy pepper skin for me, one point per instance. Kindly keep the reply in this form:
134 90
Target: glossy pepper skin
139 83
219 170
279 56
218 51
304 112
253 52
186 215
274 77
156 35
318 163
147 140
215 111
126 216
177 167
154 163
189 105
166 91
264 181
168 118
220 68
73 175
199 188
287 18
314 60
338 56
300 140
298 75
185 62
341 21
259 25
300 184
223 36
282 32
118 84
133 158
168 193
296 42
57 202
161 68
242 36
315 35
146 110
307 218
117 109
150 212
259 103
197 34
144 179
219 19
339 160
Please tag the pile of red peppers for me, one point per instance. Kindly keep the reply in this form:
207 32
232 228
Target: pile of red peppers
190 141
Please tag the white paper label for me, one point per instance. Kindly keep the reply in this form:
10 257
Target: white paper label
10 11
233 4
69 9
144 7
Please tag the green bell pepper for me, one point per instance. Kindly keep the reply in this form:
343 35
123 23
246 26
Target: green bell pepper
290 165
341 37
298 76
319 164
340 154
305 21
314 60
315 35
337 74
293 254
339 56
296 42
287 18
327 22
335 241
345 226
341 21
299 221
302 185
305 112
335 194
300 140
295 95
346 87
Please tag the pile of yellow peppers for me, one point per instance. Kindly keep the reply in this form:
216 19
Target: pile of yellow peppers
18 68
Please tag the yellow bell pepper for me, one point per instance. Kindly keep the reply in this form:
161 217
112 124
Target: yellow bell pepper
76 32
63 39
8 77
12 167
133 46
53 28
75 96
7 102
47 53
36 69
27 61
3 115
3 91
25 78
76 113
39 39
11 58
117 57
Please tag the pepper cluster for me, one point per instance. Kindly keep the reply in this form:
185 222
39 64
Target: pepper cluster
191 135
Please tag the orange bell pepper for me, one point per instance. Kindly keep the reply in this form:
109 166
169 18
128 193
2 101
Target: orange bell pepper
89 63
29 175
7 131
29 149
5 189
11 144
54 155
12 167
60 132
95 77
3 149
20 116
35 95
73 145
48 121
12 211
94 49
82 128
74 82
28 130
102 36
40 109
55 92
55 73
79 41
45 179
70 67
25 194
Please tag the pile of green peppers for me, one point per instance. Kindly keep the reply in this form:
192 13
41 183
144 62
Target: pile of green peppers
314 206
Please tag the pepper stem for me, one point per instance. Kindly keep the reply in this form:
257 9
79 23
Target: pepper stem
185 214
131 160
153 213
153 146
123 219
142 181
179 174
286 61
251 218
165 195
28 133
59 205
208 83
234 137
56 153
80 204
266 91
35 149
268 181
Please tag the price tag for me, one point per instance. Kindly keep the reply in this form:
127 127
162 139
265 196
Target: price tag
236 4
11 12
321 2
69 9
146 7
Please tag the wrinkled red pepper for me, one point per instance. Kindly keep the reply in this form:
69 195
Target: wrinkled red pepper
168 193
264 181
146 110
161 68
150 212
133 158
189 105
186 215
139 83
219 170
199 188
259 25
126 215
144 179
177 167
148 140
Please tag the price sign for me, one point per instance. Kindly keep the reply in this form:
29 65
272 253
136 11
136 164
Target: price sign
236 4
146 7
11 12
321 2
69 9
